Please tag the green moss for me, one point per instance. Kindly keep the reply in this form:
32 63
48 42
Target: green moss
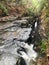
43 46
4 9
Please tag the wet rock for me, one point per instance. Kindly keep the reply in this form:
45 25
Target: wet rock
21 23
19 34
5 25
25 18
21 61
30 19
9 18
16 23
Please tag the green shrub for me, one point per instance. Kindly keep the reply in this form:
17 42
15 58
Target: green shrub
43 46
4 9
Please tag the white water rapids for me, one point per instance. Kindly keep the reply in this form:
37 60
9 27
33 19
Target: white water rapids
14 46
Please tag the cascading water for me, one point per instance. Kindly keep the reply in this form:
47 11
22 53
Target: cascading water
15 50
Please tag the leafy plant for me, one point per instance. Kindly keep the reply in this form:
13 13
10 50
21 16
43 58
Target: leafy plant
43 46
4 9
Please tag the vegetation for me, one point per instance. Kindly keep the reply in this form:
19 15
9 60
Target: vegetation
30 7
4 9
43 46
33 6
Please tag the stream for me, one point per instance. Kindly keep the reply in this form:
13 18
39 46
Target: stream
16 43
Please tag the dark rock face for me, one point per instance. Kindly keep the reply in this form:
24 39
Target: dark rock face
21 61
